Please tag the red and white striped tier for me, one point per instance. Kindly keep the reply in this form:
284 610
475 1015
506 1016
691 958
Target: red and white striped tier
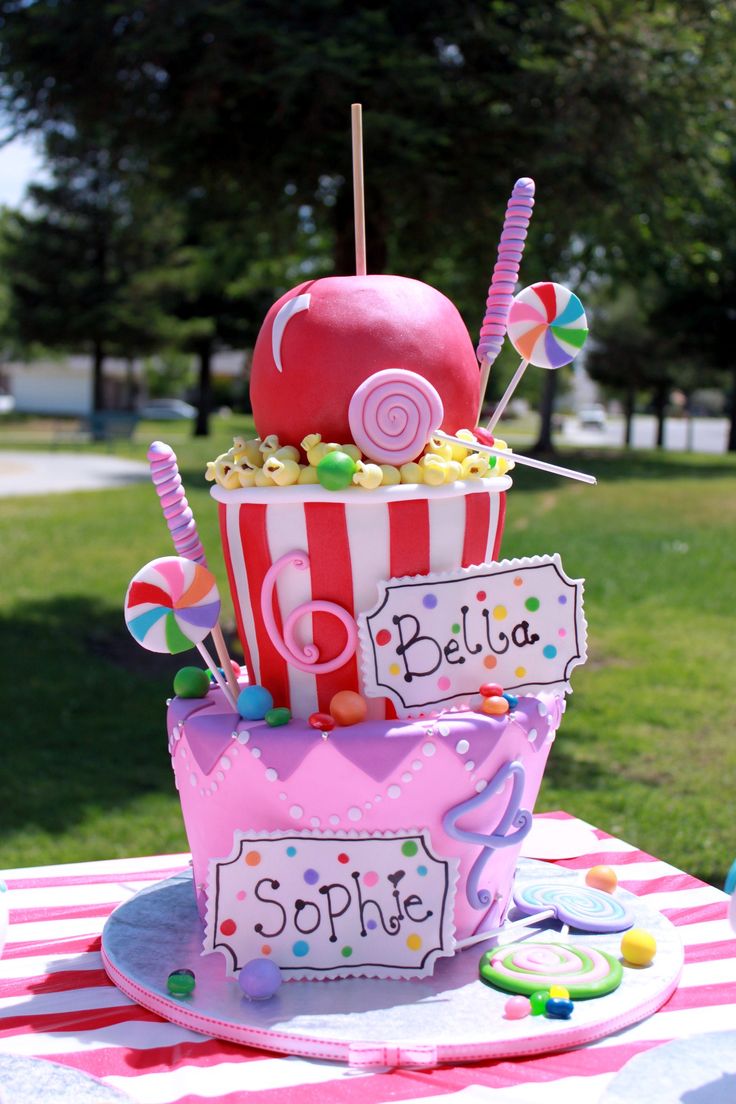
56 1002
354 539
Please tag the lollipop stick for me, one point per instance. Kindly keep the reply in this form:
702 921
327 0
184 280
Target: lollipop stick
224 658
515 458
492 933
217 676
507 395
358 191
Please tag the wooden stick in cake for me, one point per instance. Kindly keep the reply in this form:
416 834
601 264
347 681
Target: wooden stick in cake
183 528
503 281
516 458
547 327
171 605
358 189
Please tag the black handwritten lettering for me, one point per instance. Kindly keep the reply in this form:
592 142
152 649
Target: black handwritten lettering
270 901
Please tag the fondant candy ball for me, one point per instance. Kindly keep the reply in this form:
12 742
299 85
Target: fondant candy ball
538 1001
559 991
335 471
191 682
180 983
559 1008
322 722
495 707
491 690
511 699
602 877
254 703
259 979
348 708
278 716
517 1008
638 947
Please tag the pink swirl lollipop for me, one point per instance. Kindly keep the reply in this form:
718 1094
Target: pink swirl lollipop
171 605
393 414
527 967
547 325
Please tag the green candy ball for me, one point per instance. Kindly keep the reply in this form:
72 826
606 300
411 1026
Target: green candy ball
335 471
191 682
278 716
538 1001
180 983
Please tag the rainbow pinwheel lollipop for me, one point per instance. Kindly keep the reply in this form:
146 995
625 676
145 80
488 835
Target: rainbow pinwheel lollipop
171 605
547 327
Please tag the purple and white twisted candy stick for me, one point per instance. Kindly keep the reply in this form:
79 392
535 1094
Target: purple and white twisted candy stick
174 505
183 529
505 276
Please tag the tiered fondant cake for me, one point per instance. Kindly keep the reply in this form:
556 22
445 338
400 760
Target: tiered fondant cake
358 811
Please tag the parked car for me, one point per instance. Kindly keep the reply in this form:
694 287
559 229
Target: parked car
7 403
592 417
169 410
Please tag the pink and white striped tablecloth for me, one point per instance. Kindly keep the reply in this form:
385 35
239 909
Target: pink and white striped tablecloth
57 1003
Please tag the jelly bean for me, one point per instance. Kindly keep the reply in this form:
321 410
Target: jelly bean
191 682
538 1001
491 690
180 983
259 979
323 722
348 708
516 1008
495 706
254 702
638 947
236 668
559 991
278 716
335 471
602 877
511 699
558 1008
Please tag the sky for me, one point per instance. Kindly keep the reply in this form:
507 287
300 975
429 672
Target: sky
19 165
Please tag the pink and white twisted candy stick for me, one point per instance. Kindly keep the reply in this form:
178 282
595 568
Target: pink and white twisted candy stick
183 528
174 505
505 276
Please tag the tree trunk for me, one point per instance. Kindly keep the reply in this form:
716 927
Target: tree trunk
732 413
629 408
98 379
660 409
204 390
546 409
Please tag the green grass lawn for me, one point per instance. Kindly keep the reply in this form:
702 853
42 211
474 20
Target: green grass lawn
646 749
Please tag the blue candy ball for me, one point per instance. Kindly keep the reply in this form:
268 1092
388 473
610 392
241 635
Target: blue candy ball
259 979
558 1008
512 700
254 703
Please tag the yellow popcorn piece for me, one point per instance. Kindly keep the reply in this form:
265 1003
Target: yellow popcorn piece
247 450
433 467
440 448
307 476
263 478
284 473
287 452
246 474
460 452
226 473
475 466
390 475
368 476
352 451
210 472
269 445
453 471
411 473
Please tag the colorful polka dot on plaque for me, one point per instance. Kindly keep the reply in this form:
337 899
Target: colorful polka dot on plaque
383 637
409 848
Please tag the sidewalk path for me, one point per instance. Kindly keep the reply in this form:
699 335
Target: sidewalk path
29 473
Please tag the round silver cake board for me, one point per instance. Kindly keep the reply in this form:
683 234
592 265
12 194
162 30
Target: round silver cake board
449 1017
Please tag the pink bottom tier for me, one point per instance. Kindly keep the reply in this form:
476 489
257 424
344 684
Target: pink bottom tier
467 780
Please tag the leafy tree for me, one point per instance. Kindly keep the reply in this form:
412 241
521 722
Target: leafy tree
74 263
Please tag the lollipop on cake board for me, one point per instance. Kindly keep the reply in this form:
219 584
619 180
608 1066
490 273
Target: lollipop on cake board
183 528
547 327
171 605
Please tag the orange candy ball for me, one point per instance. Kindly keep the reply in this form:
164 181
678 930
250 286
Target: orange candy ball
495 707
348 708
602 877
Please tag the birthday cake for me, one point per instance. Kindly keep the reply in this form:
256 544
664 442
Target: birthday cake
356 796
